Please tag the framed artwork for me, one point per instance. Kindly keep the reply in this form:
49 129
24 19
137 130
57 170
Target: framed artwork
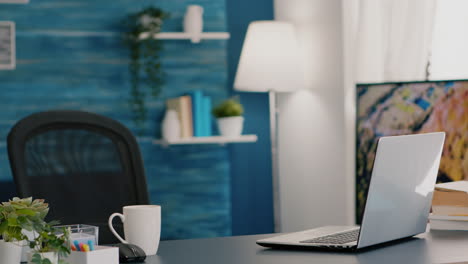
7 45
390 109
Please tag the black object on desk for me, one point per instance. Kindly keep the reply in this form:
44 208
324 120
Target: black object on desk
130 253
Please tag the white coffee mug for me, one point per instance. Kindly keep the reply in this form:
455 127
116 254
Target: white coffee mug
142 226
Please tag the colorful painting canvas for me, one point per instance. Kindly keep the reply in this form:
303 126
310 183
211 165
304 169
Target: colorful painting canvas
391 109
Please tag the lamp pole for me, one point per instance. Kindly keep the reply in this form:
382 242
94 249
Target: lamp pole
274 160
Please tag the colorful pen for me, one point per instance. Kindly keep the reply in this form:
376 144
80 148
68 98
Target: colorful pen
77 245
81 247
91 245
85 248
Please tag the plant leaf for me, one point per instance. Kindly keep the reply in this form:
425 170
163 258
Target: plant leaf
26 212
3 226
36 258
13 221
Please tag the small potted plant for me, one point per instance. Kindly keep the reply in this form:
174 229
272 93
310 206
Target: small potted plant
49 245
229 117
16 216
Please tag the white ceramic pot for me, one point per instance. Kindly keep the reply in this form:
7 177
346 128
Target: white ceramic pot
52 256
193 22
26 248
231 126
171 126
25 253
10 253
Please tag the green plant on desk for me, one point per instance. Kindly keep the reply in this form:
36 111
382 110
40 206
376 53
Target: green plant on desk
18 214
50 240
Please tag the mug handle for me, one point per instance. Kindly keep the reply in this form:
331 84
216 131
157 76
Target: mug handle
122 217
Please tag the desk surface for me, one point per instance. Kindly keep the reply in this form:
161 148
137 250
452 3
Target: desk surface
431 247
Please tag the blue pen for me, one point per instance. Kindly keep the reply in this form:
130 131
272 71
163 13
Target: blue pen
77 245
91 245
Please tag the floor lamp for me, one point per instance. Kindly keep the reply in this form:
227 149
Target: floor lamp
270 62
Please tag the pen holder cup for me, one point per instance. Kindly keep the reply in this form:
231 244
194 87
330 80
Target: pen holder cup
101 255
83 233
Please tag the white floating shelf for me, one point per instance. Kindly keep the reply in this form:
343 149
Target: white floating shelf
14 1
208 140
182 35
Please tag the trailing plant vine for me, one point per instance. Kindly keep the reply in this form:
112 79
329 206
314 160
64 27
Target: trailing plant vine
146 74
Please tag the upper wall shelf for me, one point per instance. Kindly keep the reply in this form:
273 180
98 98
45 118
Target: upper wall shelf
14 1
192 28
207 140
183 35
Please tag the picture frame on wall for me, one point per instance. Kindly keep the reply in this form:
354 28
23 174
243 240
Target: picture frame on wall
7 45
402 108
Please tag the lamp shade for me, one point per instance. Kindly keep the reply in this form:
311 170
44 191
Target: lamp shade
269 60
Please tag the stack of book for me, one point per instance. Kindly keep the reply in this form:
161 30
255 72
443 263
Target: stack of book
450 206
194 112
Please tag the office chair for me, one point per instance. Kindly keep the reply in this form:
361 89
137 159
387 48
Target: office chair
7 190
85 165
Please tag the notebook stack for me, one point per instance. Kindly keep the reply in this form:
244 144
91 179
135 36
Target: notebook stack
194 112
450 206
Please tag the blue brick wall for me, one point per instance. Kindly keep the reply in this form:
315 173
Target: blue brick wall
70 56
251 180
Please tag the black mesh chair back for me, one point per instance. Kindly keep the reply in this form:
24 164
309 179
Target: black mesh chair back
85 165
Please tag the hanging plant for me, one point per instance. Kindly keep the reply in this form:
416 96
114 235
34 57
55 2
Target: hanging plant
146 74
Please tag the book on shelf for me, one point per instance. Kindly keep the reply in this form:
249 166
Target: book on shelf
197 98
183 106
194 112
201 114
206 116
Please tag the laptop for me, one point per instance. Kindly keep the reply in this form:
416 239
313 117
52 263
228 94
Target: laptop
398 200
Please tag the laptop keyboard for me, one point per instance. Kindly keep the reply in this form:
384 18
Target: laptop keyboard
339 238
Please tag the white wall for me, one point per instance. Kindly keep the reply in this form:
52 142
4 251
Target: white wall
313 187
449 42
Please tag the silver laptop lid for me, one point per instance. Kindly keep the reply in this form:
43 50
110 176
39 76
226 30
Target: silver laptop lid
401 187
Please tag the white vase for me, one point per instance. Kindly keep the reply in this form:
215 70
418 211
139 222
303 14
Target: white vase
193 22
52 256
10 253
171 126
231 126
